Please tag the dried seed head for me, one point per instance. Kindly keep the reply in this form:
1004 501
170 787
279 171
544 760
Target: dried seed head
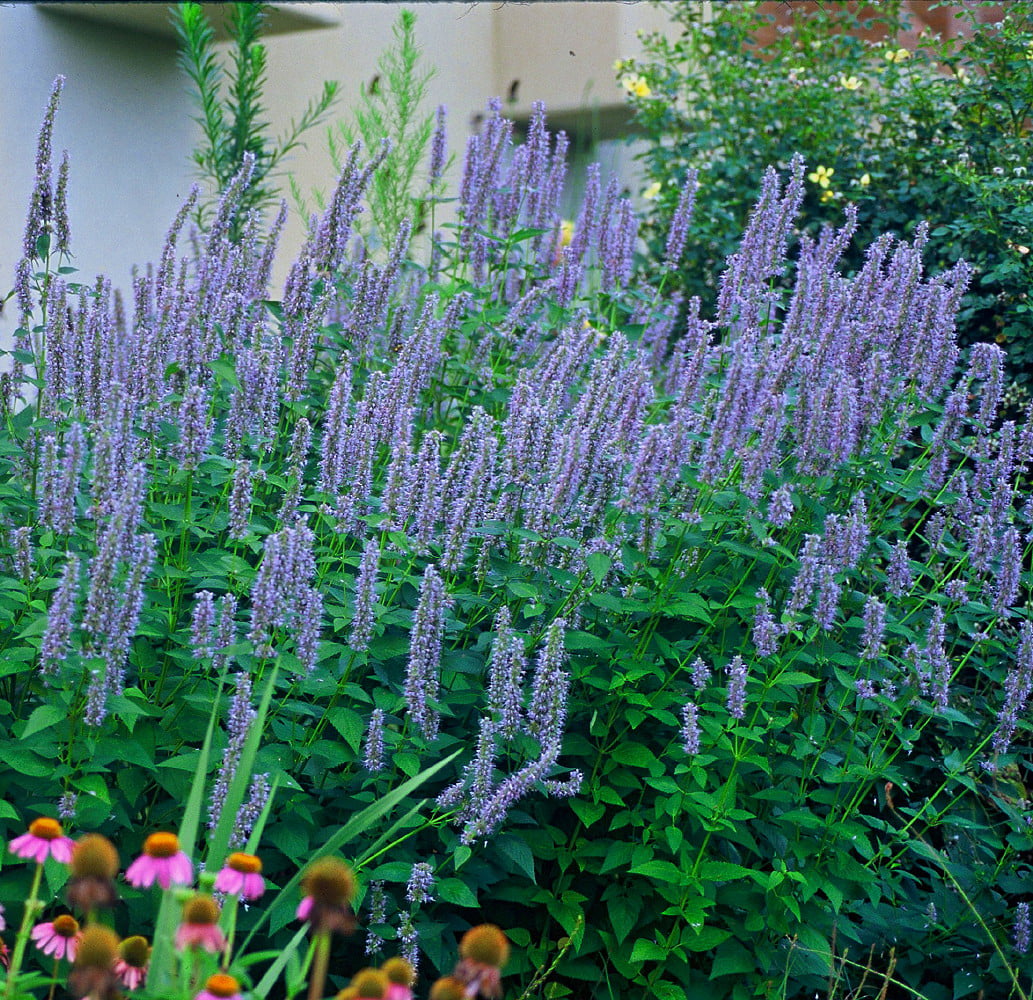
329 882
399 971
135 951
94 856
201 909
485 944
371 983
448 988
222 985
98 948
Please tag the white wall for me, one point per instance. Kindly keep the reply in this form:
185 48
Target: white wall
126 113
125 119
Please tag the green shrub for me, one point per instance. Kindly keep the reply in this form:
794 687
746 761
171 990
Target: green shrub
937 133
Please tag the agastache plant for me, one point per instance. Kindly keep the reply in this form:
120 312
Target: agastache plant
538 511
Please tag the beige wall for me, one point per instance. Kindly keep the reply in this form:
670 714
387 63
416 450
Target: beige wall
126 112
125 120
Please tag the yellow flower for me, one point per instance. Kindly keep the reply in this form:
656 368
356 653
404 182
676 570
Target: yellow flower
827 196
635 85
652 191
822 176
849 83
898 55
963 77
865 180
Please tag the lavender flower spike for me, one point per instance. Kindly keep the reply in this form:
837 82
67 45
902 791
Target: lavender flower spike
238 724
737 673
765 629
505 675
373 760
421 881
690 734
1021 932
365 597
377 915
679 230
421 680
56 638
258 795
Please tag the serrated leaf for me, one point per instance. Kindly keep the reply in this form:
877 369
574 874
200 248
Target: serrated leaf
661 871
452 890
599 564
349 724
723 871
647 951
518 852
42 717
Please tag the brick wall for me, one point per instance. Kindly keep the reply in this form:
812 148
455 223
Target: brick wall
940 20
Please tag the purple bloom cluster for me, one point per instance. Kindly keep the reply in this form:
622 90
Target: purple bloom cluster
765 628
59 473
373 757
737 676
377 915
57 637
506 667
484 804
365 597
247 817
690 733
422 674
238 725
282 595
1018 686
421 882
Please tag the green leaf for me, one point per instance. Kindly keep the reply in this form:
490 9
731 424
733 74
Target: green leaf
661 871
599 564
349 724
722 871
517 851
452 890
624 911
732 959
647 951
42 718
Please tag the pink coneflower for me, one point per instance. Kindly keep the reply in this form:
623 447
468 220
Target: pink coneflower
59 938
134 954
45 839
162 861
242 876
200 927
220 987
400 975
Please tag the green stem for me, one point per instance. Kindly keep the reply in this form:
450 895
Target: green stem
320 963
32 906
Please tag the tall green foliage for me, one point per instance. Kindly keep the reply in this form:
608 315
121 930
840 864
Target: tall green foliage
390 109
229 96
938 132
